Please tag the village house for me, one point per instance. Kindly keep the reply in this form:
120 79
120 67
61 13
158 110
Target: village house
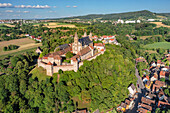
132 90
126 105
38 50
99 46
83 49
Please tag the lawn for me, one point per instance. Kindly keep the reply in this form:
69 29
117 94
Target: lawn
24 43
163 45
40 73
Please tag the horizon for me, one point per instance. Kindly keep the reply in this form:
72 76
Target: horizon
41 9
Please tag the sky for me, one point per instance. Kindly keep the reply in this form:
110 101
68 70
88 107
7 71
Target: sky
40 9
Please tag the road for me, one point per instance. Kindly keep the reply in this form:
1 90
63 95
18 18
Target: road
141 92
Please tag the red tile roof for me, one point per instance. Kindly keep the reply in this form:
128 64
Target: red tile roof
49 63
98 44
147 101
111 39
84 51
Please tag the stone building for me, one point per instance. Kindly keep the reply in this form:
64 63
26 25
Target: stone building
81 43
82 48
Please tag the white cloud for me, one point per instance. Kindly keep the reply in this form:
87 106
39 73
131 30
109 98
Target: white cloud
17 15
71 6
9 11
26 11
35 6
51 11
3 5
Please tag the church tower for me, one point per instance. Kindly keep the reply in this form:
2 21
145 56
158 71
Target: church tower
75 44
76 38
85 34
90 36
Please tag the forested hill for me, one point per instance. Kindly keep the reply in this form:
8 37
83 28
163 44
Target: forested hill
144 14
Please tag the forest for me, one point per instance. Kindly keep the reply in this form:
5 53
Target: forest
98 81
145 14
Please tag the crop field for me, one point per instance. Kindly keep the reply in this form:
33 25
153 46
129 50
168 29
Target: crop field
9 25
3 27
24 43
163 45
55 24
144 37
159 24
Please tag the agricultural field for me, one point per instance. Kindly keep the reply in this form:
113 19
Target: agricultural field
144 37
24 43
2 26
159 24
55 24
9 25
163 45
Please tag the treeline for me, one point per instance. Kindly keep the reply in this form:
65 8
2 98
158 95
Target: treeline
10 47
146 29
10 34
166 22
128 15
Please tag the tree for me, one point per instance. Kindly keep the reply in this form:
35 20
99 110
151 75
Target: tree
69 55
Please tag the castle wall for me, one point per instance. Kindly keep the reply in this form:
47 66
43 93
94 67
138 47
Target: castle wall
94 57
63 67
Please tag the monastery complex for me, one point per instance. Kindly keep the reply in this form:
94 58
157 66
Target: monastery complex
83 49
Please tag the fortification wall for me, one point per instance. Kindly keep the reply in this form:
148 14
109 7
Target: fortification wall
40 63
64 68
94 57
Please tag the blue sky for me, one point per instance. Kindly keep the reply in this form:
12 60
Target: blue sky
26 9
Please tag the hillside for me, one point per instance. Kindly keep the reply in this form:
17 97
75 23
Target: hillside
144 14
165 14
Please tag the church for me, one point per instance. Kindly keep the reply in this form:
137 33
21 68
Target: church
81 43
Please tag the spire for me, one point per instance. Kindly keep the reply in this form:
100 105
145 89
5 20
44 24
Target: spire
76 38
85 34
90 36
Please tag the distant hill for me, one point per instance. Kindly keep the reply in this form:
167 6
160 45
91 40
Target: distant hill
144 14
165 14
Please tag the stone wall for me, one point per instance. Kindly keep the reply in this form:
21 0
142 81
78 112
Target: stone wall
89 54
74 66
94 57
64 68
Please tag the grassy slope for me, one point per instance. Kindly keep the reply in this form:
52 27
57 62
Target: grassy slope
164 45
40 73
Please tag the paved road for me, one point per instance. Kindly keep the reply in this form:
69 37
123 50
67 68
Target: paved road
141 91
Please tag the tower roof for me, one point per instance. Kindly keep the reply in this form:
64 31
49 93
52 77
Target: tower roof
76 36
